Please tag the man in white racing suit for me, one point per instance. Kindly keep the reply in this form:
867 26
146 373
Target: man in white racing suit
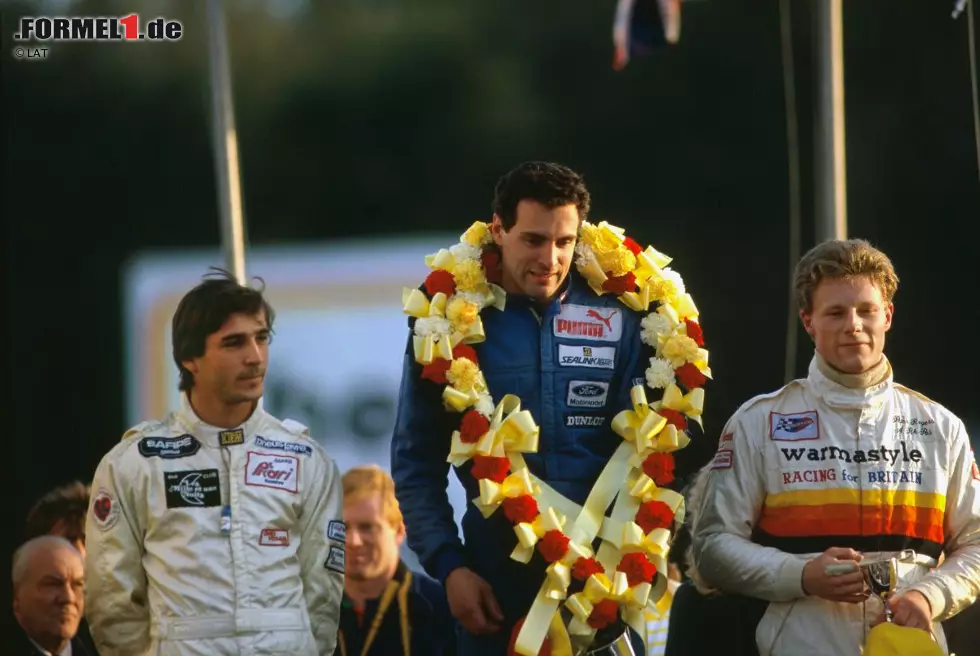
217 530
842 466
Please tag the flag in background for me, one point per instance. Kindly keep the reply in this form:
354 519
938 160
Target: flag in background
640 26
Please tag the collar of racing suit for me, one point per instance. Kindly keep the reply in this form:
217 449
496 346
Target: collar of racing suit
872 376
836 395
210 435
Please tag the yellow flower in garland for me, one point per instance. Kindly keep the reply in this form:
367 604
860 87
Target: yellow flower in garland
679 349
617 262
666 286
469 276
464 375
462 312
477 234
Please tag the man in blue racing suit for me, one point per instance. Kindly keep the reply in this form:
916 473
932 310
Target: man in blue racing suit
570 355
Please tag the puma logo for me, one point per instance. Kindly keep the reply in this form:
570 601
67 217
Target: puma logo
594 314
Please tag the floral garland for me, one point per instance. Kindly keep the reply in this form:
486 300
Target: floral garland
621 579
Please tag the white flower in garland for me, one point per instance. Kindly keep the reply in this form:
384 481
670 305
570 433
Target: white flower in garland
485 405
660 373
653 326
433 326
464 251
584 255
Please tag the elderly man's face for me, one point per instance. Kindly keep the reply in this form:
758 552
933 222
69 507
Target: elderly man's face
49 601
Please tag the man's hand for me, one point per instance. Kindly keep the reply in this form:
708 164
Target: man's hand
847 587
908 609
472 602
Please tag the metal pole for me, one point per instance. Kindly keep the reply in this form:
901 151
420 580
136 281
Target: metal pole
830 166
225 145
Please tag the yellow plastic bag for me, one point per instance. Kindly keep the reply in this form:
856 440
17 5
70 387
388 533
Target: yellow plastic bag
889 639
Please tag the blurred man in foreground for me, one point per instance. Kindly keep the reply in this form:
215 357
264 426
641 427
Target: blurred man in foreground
387 609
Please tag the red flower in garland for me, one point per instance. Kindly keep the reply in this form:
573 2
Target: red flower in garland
490 258
512 645
637 568
465 351
440 281
553 546
603 614
473 427
619 284
690 376
520 509
633 247
653 515
491 468
694 331
673 417
659 467
436 371
586 567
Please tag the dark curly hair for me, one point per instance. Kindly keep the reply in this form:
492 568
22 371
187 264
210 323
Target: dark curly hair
550 184
203 311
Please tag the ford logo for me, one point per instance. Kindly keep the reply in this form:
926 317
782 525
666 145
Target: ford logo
587 390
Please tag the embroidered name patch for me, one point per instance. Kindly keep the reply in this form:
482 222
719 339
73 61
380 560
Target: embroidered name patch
596 357
723 459
795 426
584 322
585 421
274 537
192 489
337 531
277 472
291 447
168 448
587 394
335 559
105 510
232 437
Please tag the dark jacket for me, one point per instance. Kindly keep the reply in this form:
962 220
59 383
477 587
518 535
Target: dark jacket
431 628
573 375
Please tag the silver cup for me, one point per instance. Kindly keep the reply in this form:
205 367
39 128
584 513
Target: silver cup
620 646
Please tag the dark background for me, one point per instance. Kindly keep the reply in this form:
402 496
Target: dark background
385 117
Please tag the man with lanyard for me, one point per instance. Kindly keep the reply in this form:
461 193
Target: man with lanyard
842 468
217 530
388 610
571 356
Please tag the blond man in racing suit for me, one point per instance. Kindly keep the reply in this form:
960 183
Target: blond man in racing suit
841 466
218 530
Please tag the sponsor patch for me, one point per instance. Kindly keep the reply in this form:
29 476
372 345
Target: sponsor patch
274 537
584 322
723 459
105 510
976 471
277 472
795 426
337 531
232 437
291 447
585 421
726 437
587 394
335 559
197 488
596 357
169 448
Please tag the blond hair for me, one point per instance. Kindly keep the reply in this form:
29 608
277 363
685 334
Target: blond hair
371 479
843 259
